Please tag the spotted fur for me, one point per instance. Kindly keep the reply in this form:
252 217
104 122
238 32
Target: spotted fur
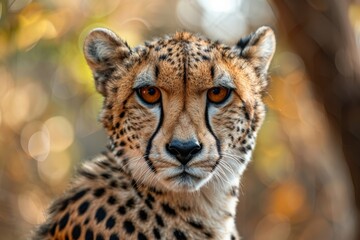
136 189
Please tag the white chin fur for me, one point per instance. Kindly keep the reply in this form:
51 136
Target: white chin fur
185 184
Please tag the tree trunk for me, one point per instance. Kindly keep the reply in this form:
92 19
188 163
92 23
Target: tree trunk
321 34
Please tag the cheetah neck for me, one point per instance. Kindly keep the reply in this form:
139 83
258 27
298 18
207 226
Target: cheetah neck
214 203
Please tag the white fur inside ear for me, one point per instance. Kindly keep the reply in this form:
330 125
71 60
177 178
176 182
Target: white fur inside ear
264 44
258 48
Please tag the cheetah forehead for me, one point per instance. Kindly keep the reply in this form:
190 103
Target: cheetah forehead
183 59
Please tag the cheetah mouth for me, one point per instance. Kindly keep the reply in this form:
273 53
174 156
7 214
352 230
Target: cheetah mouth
184 176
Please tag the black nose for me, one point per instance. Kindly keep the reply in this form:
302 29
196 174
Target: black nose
183 151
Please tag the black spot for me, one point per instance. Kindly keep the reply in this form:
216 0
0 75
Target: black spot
114 184
113 237
79 195
87 220
76 232
100 214
141 236
154 190
122 143
83 207
247 116
169 210
122 114
103 164
110 223
149 200
111 200
143 215
53 229
106 175
150 197
129 226
120 153
212 71
63 204
196 225
130 203
243 150
159 220
99 192
209 235
156 71
117 125
87 174
63 221
124 186
163 57
179 235
148 203
89 235
99 236
156 233
122 210
233 237
205 58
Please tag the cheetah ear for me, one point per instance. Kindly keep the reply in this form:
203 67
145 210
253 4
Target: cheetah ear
104 52
258 48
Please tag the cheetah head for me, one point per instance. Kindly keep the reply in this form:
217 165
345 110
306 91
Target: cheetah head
182 111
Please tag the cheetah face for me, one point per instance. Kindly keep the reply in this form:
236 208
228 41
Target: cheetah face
181 111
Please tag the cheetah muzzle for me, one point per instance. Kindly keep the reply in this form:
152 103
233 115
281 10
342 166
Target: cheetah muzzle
182 114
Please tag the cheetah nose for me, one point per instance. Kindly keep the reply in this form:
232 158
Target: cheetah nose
183 151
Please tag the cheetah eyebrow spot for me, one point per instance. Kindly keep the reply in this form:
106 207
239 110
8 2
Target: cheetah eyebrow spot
145 78
223 78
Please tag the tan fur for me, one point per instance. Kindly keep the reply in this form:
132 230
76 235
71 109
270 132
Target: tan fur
138 175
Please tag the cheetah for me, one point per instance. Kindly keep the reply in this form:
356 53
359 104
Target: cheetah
182 114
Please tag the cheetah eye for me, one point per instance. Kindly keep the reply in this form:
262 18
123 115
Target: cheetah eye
150 95
218 94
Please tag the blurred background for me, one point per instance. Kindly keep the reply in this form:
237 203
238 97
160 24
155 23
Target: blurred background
303 182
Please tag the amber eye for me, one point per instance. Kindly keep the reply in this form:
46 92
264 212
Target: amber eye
218 94
149 95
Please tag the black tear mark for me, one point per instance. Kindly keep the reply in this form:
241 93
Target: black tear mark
148 147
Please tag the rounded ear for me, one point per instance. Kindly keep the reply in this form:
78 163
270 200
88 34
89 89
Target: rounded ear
258 48
104 51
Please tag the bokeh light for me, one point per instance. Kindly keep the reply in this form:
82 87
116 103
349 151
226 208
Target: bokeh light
61 134
39 145
29 203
